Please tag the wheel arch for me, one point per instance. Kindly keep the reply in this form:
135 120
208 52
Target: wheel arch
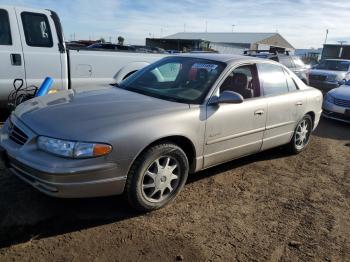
182 141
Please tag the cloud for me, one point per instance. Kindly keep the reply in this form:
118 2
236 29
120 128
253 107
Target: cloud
302 22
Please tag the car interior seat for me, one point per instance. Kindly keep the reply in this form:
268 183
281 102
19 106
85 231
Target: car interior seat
240 85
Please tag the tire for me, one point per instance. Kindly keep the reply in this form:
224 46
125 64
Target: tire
301 136
156 177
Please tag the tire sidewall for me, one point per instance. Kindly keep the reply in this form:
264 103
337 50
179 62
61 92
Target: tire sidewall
293 144
146 160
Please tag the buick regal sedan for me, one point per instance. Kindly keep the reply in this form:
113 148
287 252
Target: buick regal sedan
144 136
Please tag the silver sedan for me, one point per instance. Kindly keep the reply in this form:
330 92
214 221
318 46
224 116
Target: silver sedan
143 137
337 103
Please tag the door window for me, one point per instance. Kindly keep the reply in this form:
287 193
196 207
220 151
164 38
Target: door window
36 30
292 86
5 32
243 80
273 79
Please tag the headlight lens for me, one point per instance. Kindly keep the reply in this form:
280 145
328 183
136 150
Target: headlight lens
72 149
331 78
329 98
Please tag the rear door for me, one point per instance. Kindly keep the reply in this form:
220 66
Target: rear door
40 46
11 56
282 105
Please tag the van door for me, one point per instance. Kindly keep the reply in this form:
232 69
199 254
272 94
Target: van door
40 47
11 56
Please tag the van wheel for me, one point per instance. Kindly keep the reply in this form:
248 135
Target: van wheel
156 177
301 135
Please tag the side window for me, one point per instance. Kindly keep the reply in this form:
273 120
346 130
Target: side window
5 32
287 61
243 80
273 79
292 86
36 30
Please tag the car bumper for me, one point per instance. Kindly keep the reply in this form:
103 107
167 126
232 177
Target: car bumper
324 86
64 178
335 112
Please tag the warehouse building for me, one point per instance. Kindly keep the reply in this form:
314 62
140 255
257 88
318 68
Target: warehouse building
227 43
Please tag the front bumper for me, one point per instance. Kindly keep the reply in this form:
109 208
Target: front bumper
59 177
335 112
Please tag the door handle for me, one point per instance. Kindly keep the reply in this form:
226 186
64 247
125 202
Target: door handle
259 112
299 103
16 59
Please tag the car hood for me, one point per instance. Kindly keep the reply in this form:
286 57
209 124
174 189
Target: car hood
340 74
342 92
68 114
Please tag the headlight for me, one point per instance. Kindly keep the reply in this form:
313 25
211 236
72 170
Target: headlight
331 78
72 149
329 98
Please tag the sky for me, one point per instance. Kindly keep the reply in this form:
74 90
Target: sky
301 22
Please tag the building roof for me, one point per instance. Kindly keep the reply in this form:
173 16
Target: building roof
235 37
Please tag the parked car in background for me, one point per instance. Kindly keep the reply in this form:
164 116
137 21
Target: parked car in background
32 47
329 74
294 63
337 103
110 46
179 115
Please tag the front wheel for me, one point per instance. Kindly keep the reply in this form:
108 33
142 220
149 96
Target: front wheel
156 177
301 135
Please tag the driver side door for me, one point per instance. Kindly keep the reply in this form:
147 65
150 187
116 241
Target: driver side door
235 130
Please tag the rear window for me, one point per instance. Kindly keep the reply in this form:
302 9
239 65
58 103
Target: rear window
36 30
5 32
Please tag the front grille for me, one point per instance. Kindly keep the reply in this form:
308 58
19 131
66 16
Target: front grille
17 135
317 77
342 102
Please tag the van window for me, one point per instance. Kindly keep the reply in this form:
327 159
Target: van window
5 32
36 30
273 79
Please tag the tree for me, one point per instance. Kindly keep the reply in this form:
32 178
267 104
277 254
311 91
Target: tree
102 40
120 40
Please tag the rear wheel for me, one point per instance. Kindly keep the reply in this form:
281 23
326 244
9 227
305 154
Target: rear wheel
156 177
301 135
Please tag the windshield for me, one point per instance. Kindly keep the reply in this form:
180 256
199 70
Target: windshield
334 65
179 79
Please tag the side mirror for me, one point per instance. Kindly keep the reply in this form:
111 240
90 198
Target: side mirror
342 82
227 97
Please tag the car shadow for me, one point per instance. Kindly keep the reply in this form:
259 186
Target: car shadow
26 214
333 129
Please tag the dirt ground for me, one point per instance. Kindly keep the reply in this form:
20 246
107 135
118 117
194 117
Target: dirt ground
267 207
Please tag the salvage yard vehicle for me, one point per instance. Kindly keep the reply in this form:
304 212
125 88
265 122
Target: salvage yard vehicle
337 103
294 63
142 137
329 74
32 47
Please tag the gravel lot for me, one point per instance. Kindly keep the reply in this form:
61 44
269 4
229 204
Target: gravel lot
267 207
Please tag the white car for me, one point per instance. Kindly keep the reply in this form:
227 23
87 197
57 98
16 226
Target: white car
336 104
32 47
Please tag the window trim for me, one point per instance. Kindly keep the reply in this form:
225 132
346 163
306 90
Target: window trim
291 77
9 27
26 33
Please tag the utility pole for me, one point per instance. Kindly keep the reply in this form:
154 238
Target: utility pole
206 25
184 27
325 41
342 42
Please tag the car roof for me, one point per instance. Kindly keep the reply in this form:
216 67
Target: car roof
226 58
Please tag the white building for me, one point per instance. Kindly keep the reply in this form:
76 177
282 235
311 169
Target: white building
236 43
